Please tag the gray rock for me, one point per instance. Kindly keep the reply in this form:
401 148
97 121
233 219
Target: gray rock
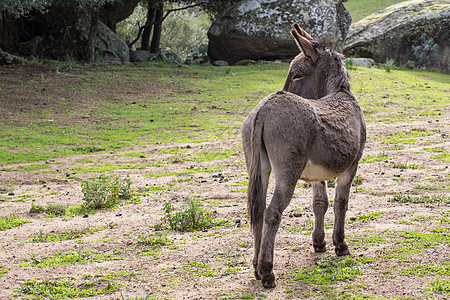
9 59
259 29
220 63
363 62
392 33
108 46
141 56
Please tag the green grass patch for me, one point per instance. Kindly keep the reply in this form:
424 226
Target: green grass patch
79 256
59 289
330 270
439 286
405 137
445 157
366 218
11 222
374 158
363 8
404 198
63 235
2 270
425 270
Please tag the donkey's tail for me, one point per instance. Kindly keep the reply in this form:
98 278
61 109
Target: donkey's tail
255 191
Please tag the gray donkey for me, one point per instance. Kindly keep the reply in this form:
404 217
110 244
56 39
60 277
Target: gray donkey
312 130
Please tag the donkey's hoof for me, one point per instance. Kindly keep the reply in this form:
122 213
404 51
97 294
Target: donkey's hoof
257 277
342 250
268 281
320 248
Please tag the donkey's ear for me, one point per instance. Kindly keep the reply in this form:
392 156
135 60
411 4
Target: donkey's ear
305 45
302 32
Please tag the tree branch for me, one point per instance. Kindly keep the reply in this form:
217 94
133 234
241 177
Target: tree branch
177 9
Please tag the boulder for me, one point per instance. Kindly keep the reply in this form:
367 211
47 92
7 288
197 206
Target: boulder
259 29
363 62
416 30
108 46
142 56
9 59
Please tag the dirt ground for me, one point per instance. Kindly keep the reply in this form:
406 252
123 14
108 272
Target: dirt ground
225 253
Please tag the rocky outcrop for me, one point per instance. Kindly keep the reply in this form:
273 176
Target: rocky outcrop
9 59
259 29
416 30
108 46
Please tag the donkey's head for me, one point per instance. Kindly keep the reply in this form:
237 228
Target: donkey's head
316 71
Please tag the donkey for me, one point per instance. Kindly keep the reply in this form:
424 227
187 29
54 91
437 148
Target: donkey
311 130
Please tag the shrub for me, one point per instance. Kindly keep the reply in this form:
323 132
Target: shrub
193 218
426 51
389 64
105 191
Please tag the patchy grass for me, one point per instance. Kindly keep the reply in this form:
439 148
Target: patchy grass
79 256
404 198
59 289
11 222
363 8
330 270
63 235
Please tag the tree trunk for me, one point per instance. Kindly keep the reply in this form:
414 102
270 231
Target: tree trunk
156 39
151 15
90 48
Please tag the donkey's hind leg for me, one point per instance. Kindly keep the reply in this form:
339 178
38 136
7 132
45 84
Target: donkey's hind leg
343 185
320 206
285 182
258 222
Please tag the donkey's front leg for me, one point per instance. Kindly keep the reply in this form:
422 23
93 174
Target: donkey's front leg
320 206
343 185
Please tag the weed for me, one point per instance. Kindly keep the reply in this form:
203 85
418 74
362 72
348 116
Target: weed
389 64
104 191
403 198
406 166
63 235
193 218
11 222
155 241
358 180
349 64
51 210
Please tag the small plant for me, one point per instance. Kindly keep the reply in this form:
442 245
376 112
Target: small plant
426 51
63 235
358 180
350 64
155 241
105 191
389 64
51 210
11 222
193 218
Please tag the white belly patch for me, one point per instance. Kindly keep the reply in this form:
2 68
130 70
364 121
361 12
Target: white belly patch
313 172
